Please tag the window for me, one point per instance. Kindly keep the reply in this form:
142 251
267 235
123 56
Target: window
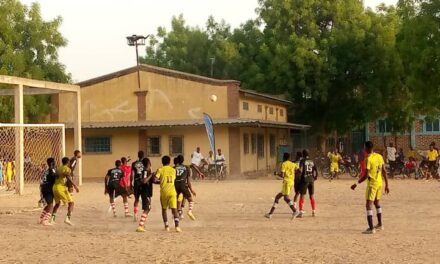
271 110
272 144
432 126
98 145
385 126
153 146
260 146
245 106
281 112
259 108
176 145
254 143
246 143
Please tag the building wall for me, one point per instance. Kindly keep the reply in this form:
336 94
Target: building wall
193 137
403 140
251 162
279 111
168 98
126 142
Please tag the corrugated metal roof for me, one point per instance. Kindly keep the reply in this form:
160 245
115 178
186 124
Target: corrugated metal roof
192 122
266 96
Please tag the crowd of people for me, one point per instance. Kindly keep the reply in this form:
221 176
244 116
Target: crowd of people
135 180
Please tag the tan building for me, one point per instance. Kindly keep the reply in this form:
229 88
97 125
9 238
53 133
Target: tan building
164 117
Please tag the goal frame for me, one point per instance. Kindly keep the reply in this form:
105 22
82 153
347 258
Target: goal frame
19 148
24 86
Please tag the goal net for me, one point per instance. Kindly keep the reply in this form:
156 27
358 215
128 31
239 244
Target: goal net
30 146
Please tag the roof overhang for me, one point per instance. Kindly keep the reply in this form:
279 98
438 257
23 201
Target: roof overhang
264 97
191 123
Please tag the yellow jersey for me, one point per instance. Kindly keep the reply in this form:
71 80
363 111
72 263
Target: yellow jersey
334 158
412 154
375 164
167 176
432 155
289 168
61 175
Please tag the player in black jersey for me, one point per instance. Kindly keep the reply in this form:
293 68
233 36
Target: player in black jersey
183 186
309 174
114 188
46 184
145 190
135 180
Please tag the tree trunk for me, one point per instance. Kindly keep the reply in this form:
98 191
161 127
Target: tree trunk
322 143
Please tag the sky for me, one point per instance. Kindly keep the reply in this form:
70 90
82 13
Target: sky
96 30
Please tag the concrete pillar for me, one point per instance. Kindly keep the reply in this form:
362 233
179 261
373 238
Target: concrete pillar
77 133
413 135
19 139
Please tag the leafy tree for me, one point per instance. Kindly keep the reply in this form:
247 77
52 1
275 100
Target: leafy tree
336 60
419 48
28 48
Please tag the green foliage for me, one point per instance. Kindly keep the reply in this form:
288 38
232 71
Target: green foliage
341 64
419 48
28 48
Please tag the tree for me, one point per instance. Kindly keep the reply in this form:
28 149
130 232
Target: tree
334 58
419 47
29 48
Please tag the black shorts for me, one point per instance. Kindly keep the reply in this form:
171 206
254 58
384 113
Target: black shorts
431 164
115 189
297 185
307 186
47 196
182 188
141 191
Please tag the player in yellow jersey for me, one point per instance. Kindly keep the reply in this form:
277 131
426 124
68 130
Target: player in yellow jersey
375 174
432 156
61 191
335 158
168 195
288 170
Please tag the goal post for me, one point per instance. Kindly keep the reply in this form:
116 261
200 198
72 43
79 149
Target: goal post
26 148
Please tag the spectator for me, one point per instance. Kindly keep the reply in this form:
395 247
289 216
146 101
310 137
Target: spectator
210 159
410 167
220 158
412 153
197 162
391 156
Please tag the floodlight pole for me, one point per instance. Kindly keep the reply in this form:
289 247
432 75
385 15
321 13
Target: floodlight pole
136 41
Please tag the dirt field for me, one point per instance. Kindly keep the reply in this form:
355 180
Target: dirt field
231 228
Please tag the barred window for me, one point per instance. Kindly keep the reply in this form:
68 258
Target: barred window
153 146
176 145
260 146
246 143
245 106
272 143
254 143
97 145
259 108
271 110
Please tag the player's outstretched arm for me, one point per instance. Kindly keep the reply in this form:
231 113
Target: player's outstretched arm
69 179
361 180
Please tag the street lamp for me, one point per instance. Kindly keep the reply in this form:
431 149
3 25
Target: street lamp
137 40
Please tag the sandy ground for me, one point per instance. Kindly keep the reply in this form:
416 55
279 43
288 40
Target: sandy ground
231 229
